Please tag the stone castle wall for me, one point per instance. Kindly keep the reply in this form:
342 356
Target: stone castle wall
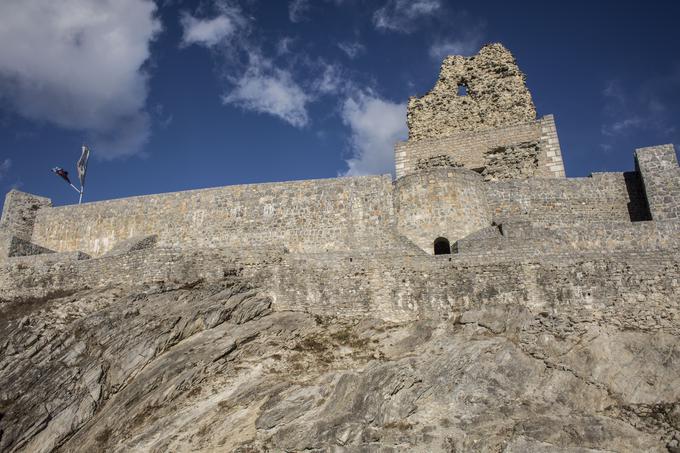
347 284
474 160
473 150
309 216
445 202
658 166
344 214
19 213
601 197
426 287
538 239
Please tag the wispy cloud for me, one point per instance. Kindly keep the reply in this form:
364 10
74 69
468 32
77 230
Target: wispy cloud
623 126
259 85
401 15
651 106
376 124
352 49
206 32
466 40
332 80
77 64
284 45
277 82
297 10
5 165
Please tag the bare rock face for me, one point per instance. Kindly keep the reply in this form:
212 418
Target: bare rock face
477 93
208 366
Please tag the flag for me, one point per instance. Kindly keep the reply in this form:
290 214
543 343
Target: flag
61 172
82 165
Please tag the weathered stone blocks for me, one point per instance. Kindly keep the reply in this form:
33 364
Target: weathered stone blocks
496 96
20 211
658 166
440 202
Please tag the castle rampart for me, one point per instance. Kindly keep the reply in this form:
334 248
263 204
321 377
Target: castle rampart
345 214
600 197
304 216
494 193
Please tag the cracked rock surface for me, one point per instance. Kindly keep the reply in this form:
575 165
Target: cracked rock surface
199 366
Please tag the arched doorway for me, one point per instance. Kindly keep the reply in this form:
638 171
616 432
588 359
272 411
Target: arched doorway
442 246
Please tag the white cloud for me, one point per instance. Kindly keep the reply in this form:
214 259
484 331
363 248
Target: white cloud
351 49
277 82
207 32
622 126
267 89
441 49
78 65
466 45
284 45
465 39
400 15
642 108
5 165
297 10
376 125
331 80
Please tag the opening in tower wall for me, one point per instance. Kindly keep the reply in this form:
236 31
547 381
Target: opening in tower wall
442 246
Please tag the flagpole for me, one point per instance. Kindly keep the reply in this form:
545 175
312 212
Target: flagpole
74 187
81 165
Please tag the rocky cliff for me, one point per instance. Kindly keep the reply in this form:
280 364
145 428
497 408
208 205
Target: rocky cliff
194 365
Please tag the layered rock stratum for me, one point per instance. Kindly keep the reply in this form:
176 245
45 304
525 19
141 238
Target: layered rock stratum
193 365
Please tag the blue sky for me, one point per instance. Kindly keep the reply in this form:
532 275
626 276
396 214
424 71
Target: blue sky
173 95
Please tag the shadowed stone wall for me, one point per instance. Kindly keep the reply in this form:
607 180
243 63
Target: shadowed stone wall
345 284
544 238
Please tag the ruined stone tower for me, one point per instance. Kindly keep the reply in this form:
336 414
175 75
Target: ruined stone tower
480 116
